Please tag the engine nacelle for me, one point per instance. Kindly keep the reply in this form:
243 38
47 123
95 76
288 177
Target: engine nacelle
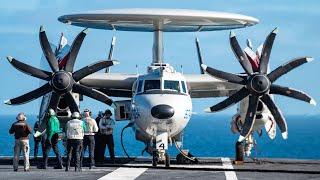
263 118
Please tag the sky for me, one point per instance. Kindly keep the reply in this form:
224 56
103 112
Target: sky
298 36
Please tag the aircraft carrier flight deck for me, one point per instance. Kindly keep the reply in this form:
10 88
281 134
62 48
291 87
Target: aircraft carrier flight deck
141 169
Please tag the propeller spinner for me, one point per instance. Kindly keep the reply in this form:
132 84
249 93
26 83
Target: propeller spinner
259 85
61 82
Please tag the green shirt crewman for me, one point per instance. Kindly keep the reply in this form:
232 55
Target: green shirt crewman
53 128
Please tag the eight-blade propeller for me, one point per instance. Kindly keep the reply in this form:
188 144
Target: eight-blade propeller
61 82
258 85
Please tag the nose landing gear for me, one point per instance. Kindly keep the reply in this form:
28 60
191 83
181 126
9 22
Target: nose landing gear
160 156
159 153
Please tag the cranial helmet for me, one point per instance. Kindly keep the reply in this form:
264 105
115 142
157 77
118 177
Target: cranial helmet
21 117
86 113
108 112
51 112
76 115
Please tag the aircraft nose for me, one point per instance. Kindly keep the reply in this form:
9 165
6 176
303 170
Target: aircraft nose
162 111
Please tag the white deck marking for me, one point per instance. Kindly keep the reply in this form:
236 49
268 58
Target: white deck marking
177 166
230 175
124 174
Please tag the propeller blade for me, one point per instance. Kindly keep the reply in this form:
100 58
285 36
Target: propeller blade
250 117
286 91
92 93
233 99
30 96
278 117
281 70
199 55
72 102
241 56
83 72
75 47
266 51
223 75
27 69
47 51
53 104
54 101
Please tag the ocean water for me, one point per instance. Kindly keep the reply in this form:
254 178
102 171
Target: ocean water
209 135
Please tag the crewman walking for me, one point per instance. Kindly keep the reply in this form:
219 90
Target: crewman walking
75 129
88 141
21 131
106 126
52 139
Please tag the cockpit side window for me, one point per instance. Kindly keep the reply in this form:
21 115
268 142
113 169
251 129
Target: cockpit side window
183 85
139 86
151 84
172 85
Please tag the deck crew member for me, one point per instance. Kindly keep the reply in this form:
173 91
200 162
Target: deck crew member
75 129
98 150
21 131
106 126
37 140
88 141
52 132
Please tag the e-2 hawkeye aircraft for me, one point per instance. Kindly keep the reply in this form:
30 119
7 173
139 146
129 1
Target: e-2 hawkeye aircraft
159 104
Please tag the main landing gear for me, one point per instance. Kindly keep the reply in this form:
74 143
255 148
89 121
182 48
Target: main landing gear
239 153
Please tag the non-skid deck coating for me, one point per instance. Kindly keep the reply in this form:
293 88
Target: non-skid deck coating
208 168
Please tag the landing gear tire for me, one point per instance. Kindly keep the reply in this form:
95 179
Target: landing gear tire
239 153
167 160
154 159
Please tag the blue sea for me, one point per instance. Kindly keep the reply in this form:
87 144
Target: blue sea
209 135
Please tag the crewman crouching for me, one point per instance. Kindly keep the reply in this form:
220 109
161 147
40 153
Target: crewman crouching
75 131
21 131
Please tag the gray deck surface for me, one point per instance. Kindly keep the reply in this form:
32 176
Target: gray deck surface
208 168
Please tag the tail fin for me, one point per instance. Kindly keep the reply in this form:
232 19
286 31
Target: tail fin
113 43
199 55
62 42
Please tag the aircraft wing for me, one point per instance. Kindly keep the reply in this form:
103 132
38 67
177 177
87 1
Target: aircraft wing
112 84
204 86
120 85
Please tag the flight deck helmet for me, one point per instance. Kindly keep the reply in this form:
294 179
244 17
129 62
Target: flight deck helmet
21 117
76 115
51 112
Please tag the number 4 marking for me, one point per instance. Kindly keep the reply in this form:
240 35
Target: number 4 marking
161 145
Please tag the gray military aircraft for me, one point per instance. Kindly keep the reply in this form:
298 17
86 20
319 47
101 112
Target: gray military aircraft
159 104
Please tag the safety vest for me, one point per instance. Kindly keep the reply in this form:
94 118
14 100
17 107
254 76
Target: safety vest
75 129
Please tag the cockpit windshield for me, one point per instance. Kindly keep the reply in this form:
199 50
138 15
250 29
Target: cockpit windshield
151 85
172 85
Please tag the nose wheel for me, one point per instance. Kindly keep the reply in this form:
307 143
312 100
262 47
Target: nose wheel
154 158
162 157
